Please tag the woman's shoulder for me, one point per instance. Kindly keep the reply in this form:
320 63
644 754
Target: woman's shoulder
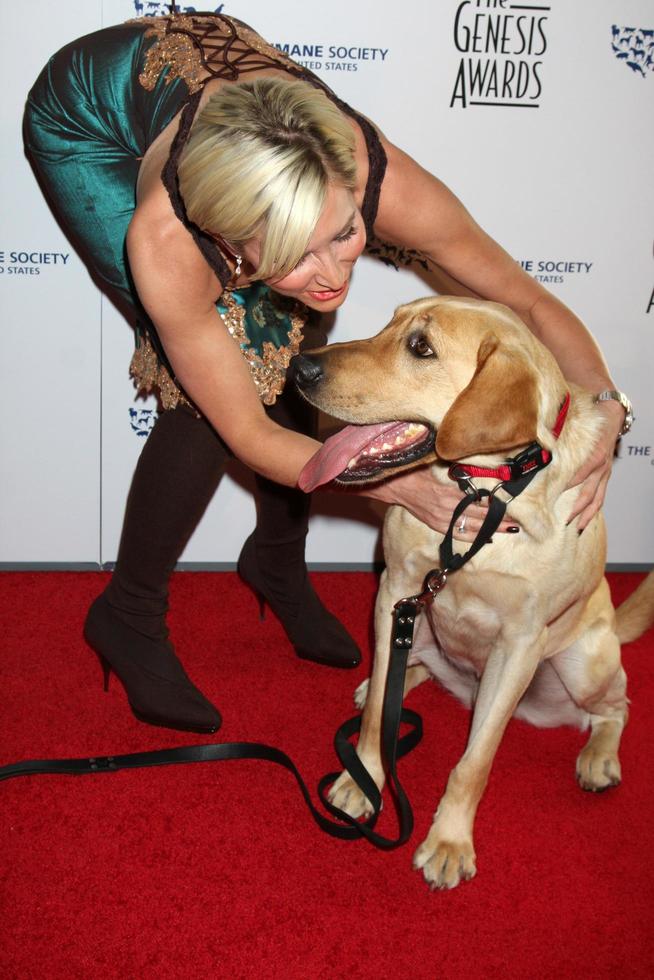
168 268
161 245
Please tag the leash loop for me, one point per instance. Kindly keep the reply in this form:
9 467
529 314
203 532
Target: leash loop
405 614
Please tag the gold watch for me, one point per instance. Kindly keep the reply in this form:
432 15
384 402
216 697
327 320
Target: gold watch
619 396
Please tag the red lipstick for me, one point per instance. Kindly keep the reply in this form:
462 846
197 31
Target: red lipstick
325 295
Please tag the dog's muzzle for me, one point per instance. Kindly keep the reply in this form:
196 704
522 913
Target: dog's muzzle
361 452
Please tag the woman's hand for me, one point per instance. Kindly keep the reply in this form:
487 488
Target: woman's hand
594 475
432 503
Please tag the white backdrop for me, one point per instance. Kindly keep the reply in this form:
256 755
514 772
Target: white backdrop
539 116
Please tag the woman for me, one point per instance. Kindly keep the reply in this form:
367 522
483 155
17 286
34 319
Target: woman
255 191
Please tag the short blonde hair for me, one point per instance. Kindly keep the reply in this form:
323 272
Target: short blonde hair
258 162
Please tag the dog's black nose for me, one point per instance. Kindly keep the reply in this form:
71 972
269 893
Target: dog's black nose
305 370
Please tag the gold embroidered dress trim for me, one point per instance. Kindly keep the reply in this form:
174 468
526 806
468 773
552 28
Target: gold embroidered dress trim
150 374
188 45
176 52
268 369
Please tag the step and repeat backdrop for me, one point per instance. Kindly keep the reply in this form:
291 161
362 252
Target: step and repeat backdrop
537 115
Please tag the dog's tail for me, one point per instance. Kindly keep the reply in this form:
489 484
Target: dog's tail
636 613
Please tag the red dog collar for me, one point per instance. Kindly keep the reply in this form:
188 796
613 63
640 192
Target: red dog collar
531 459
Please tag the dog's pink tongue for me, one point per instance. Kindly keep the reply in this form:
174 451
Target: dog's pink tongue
337 452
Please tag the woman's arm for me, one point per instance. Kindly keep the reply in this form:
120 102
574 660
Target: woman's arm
179 292
417 210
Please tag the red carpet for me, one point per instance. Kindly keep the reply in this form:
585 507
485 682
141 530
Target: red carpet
218 871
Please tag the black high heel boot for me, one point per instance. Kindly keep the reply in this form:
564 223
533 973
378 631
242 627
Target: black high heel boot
314 632
158 689
272 559
175 478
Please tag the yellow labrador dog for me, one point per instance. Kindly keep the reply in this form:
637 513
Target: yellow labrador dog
526 627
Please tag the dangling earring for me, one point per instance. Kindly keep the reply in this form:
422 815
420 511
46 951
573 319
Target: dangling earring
233 279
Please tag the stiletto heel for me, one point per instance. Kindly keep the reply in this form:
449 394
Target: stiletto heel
106 670
314 632
262 604
158 690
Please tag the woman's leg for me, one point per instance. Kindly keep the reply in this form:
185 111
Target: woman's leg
175 478
273 562
87 124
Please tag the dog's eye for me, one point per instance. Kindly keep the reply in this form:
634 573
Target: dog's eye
419 345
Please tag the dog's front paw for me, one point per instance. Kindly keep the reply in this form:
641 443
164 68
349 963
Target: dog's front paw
445 863
346 795
598 770
361 694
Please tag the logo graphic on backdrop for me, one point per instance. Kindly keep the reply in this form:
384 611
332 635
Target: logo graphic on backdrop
502 46
154 8
634 46
23 262
322 56
555 270
142 420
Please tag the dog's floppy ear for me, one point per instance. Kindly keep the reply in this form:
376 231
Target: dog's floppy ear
498 410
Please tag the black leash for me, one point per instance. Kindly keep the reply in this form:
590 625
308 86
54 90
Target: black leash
395 747
521 471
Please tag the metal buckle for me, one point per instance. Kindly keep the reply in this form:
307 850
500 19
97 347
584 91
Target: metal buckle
500 486
436 580
466 484
464 480
406 611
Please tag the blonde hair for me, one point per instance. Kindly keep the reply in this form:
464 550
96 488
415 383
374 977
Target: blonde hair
258 162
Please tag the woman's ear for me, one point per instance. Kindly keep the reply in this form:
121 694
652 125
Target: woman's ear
497 411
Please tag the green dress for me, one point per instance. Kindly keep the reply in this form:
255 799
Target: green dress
90 117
